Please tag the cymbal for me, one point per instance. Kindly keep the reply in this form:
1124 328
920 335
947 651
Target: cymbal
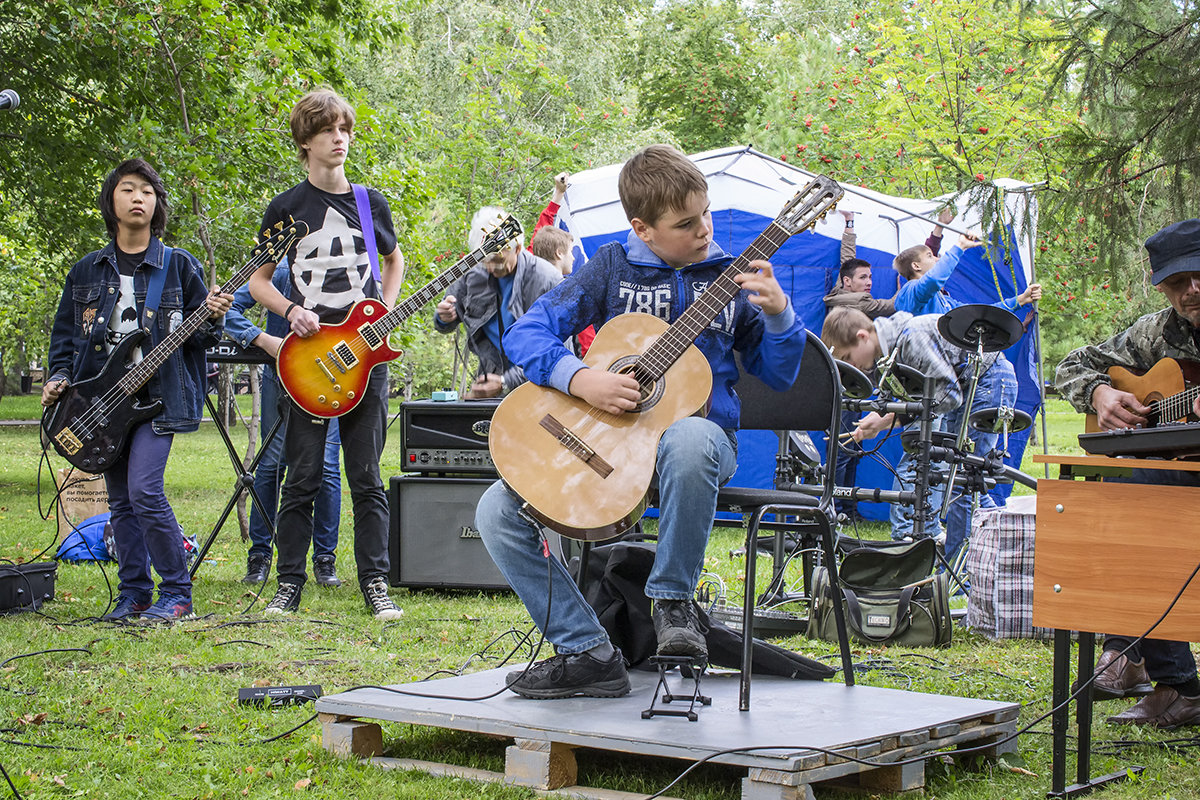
911 382
855 383
966 326
989 420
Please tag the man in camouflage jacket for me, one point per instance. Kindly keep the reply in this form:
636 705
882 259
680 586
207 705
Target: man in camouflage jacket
1126 669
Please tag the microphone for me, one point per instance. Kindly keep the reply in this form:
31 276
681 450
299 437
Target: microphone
9 99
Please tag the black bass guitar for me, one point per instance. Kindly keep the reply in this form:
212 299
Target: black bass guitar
91 420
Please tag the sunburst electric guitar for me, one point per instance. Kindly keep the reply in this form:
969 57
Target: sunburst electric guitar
586 473
90 422
326 373
1168 388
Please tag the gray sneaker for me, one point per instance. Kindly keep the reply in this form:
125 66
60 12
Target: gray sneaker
324 571
572 675
677 628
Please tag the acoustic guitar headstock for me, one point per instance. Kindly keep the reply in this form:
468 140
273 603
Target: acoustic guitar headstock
817 198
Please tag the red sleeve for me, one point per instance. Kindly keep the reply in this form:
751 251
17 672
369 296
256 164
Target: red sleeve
585 339
934 243
547 216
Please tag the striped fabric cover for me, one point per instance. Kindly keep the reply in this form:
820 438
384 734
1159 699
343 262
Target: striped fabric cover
1000 565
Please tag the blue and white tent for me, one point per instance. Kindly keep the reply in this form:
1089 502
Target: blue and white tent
747 189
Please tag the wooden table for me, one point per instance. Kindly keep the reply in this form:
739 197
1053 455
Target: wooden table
1109 557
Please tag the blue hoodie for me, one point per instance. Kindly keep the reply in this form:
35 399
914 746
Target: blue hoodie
629 277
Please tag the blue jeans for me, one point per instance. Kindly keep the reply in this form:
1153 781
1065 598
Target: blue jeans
847 464
1167 662
997 388
695 458
362 431
900 515
144 526
327 510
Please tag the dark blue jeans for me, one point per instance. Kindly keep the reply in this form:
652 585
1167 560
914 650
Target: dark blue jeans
1167 662
845 473
327 510
144 526
362 430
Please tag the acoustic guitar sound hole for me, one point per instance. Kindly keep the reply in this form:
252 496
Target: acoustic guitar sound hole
651 393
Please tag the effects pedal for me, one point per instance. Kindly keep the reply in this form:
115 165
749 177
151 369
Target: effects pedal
278 695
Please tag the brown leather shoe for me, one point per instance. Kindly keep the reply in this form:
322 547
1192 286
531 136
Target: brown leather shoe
1165 708
1117 676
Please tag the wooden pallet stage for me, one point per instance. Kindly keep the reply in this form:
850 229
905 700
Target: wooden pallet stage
884 725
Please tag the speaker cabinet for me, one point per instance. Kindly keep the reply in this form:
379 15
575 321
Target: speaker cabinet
434 543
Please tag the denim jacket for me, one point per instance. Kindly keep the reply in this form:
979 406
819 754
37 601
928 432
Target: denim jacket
77 350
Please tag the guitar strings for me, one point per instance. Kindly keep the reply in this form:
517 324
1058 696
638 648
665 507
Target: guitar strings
1176 406
383 326
88 421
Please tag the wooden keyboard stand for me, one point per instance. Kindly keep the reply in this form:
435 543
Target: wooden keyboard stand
1109 557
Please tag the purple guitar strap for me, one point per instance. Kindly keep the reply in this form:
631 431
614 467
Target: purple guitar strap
368 231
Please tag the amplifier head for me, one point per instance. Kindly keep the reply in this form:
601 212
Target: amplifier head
446 436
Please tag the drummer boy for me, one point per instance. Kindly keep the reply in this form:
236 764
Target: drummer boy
916 342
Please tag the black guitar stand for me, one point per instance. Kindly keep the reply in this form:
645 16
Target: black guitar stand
686 665
244 482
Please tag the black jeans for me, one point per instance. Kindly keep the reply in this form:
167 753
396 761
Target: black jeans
1167 662
362 429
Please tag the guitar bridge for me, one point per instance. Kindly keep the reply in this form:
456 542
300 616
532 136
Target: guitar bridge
68 441
573 443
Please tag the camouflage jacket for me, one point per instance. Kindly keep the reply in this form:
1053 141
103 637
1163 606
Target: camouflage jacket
1163 334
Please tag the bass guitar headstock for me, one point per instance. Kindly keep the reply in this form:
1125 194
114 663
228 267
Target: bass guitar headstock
280 240
817 198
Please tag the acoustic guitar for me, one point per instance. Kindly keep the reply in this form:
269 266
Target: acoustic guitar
586 473
1168 388
91 420
327 372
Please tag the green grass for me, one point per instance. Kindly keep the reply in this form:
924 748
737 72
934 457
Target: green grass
153 713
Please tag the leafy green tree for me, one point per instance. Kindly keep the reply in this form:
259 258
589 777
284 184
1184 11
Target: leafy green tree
1136 146
699 70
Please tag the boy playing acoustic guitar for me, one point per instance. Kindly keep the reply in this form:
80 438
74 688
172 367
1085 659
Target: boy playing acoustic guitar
331 271
667 261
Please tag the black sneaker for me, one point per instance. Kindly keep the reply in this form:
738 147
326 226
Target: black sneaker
375 593
572 675
257 567
325 572
677 628
286 599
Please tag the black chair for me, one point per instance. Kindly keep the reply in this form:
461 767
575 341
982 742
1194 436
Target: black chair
813 403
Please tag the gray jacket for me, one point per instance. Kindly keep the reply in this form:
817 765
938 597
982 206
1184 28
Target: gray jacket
475 301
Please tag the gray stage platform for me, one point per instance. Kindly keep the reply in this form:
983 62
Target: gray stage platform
883 725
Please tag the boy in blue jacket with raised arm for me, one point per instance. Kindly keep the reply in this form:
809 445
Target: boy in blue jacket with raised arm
664 265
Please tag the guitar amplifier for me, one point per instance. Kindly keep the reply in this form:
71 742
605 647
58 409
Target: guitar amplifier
447 437
433 542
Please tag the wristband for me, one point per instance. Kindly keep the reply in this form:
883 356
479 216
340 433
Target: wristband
289 311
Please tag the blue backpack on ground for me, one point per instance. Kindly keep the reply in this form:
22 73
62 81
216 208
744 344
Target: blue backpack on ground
86 541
